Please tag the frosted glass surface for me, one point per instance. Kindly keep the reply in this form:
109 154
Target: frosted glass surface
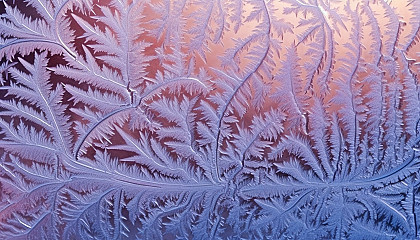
209 119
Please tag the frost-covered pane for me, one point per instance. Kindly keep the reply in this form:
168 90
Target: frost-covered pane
209 119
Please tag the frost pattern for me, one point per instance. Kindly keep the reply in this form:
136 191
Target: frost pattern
220 119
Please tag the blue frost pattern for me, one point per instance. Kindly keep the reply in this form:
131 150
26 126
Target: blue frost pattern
209 119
